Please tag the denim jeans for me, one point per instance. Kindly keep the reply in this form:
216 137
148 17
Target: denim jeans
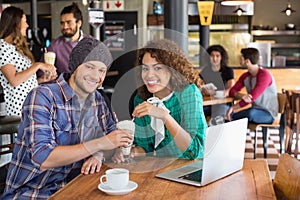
254 115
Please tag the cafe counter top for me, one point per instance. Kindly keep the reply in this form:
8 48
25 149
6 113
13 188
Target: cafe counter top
252 182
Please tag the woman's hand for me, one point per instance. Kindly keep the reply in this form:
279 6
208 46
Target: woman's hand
146 108
46 78
49 70
207 92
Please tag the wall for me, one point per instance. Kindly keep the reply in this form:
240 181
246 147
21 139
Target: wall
268 12
285 78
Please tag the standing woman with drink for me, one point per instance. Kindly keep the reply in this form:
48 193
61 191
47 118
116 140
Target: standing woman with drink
17 66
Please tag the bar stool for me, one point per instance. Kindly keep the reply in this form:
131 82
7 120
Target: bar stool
9 125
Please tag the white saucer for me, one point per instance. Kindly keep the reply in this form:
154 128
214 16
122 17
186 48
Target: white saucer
130 187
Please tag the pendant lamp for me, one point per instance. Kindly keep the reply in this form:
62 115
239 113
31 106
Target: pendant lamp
288 11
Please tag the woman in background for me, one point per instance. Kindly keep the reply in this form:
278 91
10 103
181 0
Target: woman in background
17 66
220 75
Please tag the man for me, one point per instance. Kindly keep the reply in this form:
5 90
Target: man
65 127
261 91
70 23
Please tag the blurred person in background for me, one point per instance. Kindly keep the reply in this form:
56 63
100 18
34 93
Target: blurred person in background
70 24
220 75
17 66
261 91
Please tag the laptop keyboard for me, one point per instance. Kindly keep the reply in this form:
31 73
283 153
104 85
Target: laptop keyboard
194 176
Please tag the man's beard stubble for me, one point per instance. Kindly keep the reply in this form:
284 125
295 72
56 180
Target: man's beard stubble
71 34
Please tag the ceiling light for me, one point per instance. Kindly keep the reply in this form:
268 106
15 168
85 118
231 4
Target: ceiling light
235 3
239 11
288 11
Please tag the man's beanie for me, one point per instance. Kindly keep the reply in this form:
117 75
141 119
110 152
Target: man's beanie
89 49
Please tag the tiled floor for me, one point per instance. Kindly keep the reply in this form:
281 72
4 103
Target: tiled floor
273 149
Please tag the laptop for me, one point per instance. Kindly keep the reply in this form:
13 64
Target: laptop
224 149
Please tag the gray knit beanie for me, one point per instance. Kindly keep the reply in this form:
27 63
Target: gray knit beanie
89 49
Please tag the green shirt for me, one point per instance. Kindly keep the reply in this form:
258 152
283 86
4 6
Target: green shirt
187 109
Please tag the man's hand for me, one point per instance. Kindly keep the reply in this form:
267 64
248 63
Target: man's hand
93 164
228 114
247 98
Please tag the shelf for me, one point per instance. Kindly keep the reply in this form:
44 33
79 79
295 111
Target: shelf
285 45
275 33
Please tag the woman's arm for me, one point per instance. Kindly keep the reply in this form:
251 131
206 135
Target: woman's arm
230 83
16 78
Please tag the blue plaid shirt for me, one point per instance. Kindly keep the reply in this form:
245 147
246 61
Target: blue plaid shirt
51 118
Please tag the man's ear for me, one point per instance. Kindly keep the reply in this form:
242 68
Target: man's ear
79 23
247 61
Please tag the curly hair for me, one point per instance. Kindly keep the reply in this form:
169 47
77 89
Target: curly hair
168 53
222 51
10 25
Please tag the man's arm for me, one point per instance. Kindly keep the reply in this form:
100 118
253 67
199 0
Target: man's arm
50 139
237 87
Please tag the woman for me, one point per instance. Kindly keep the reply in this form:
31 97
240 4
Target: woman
17 66
220 75
168 107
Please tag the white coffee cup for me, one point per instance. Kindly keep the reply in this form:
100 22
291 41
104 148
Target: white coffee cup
116 178
49 57
220 94
128 125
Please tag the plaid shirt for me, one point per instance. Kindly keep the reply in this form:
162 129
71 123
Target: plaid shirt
186 108
49 120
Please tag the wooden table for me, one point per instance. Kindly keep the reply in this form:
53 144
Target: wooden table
208 101
252 182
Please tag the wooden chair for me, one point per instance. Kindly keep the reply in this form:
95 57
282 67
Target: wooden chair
296 97
292 120
279 123
287 178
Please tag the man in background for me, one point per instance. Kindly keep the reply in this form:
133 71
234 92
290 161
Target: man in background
261 91
70 23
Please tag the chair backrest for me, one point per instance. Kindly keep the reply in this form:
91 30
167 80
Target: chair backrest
281 102
287 178
296 102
